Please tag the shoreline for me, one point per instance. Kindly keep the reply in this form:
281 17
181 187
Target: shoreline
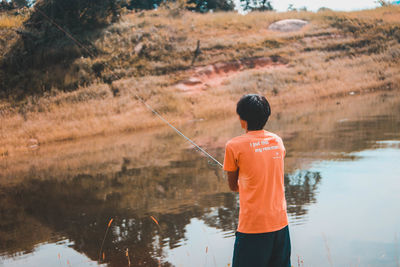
160 146
152 123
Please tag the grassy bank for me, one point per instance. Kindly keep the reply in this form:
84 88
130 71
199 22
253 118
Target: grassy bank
148 53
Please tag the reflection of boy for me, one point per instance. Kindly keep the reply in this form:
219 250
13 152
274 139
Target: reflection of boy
254 165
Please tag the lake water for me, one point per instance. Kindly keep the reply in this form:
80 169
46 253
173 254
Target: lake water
342 187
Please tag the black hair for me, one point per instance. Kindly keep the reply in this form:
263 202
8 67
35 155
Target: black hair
255 110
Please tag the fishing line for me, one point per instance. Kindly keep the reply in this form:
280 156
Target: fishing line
178 132
140 99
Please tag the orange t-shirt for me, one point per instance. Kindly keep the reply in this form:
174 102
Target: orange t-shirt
259 156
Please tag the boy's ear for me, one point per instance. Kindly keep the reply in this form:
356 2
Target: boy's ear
243 123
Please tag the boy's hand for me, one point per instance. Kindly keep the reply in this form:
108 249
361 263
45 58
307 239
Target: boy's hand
233 180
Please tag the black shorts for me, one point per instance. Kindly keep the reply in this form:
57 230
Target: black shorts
262 250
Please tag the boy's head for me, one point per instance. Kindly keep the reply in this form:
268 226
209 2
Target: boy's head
254 110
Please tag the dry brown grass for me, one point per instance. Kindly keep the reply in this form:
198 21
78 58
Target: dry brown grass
326 59
10 21
388 14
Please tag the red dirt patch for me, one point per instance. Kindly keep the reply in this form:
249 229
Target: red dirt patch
201 78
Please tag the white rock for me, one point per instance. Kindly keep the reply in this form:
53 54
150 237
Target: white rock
287 25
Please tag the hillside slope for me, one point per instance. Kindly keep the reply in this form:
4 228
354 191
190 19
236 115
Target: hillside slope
152 54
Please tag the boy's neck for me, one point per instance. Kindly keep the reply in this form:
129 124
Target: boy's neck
247 131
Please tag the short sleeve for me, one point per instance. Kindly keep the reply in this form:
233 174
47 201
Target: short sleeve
230 162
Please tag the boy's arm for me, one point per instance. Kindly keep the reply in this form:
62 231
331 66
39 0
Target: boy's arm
231 167
233 180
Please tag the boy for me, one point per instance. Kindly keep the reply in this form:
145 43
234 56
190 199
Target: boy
254 166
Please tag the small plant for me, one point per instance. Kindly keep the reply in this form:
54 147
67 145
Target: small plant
102 255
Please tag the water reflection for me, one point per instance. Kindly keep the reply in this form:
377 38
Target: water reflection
301 189
71 192
80 207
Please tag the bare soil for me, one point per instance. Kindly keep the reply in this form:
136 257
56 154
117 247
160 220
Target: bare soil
205 77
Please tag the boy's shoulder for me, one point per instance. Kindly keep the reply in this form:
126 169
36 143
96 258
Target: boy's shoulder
248 137
238 140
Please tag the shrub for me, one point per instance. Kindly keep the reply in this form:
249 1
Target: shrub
44 52
73 15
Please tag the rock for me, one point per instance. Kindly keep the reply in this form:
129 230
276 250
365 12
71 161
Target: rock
288 25
138 48
207 70
225 67
33 144
191 81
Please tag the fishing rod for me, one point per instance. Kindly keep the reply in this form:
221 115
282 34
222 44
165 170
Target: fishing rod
140 99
